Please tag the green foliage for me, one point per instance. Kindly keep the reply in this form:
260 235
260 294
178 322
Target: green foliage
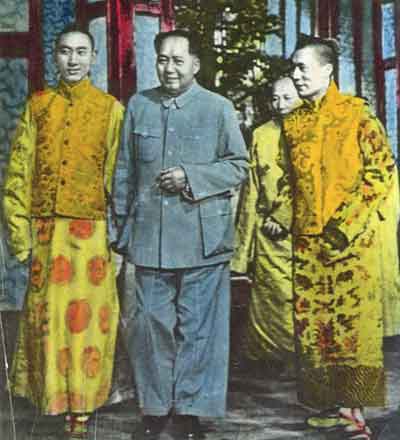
233 35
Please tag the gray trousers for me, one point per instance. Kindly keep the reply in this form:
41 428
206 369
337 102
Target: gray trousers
179 340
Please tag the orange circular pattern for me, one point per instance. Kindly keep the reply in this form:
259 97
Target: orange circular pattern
37 275
64 360
104 318
67 402
97 270
77 402
78 315
59 403
81 228
61 271
91 361
44 228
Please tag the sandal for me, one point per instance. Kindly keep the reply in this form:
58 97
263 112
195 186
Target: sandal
361 431
76 426
328 419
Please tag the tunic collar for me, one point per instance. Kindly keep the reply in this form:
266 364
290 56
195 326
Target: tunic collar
182 99
74 91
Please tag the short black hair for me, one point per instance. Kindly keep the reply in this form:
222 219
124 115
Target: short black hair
74 28
327 49
281 70
192 37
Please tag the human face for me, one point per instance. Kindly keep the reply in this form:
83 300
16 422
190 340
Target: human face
176 67
74 56
284 96
310 76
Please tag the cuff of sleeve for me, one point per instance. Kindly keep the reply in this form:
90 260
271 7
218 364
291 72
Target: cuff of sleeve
276 220
187 192
22 256
239 265
282 218
193 184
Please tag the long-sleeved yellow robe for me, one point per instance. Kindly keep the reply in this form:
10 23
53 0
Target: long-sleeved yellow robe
387 240
343 170
60 170
269 331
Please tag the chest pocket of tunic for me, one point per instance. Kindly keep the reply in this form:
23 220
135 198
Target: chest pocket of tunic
147 143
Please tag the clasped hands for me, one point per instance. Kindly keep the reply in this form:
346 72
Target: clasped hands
172 179
272 228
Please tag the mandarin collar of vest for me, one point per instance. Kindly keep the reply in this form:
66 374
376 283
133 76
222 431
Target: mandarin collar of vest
331 97
74 91
182 99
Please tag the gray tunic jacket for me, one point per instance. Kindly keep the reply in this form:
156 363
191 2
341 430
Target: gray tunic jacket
198 131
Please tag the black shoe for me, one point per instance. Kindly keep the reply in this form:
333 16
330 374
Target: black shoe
150 428
189 427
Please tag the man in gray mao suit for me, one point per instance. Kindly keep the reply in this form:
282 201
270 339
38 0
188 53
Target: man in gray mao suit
181 155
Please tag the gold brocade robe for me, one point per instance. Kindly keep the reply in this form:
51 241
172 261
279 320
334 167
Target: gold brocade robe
61 167
269 331
343 170
62 159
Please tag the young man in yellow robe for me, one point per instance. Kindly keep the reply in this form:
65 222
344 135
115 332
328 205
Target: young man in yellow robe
343 170
263 241
60 172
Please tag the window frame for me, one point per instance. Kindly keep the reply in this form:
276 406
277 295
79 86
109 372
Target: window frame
384 64
23 45
119 15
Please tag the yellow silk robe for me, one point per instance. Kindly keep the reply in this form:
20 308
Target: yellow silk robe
269 331
387 240
343 170
60 170
62 159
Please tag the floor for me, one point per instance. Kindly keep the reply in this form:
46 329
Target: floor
262 406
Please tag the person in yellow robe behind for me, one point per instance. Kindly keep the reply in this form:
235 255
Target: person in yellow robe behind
263 242
59 174
387 241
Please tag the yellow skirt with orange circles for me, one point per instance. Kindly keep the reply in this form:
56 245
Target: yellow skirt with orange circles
65 349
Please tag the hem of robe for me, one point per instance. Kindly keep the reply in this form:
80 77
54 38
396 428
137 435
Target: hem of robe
257 347
342 385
